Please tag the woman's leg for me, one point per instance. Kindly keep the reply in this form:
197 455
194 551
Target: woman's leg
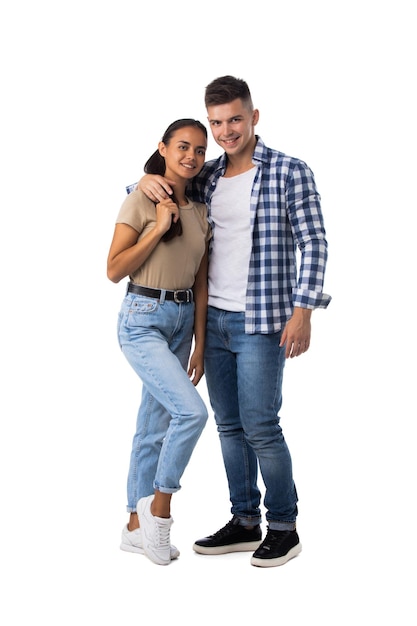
156 340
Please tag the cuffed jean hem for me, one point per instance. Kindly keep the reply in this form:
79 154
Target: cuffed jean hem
249 521
167 489
281 525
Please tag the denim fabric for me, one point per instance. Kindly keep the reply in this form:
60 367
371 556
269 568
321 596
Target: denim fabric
244 380
156 337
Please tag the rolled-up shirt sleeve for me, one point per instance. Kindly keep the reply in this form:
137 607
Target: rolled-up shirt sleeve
305 216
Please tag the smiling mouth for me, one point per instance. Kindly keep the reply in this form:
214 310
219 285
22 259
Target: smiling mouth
230 141
188 166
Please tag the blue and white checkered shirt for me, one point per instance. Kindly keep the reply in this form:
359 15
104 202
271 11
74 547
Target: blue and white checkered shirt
285 215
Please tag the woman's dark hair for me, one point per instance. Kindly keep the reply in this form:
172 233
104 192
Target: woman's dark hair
156 165
226 89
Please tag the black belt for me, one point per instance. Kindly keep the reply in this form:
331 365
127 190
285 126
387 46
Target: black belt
178 296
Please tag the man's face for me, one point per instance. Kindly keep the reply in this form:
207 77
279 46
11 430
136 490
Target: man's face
233 126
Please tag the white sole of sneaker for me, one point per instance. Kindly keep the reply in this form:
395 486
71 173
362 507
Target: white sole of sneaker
245 546
128 548
278 561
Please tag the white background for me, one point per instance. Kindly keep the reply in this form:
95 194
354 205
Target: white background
87 90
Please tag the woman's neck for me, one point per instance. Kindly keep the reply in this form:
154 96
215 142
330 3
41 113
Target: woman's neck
180 196
179 191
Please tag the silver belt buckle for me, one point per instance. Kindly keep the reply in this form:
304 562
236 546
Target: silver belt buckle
181 291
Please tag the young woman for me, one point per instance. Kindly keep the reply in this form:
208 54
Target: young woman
163 250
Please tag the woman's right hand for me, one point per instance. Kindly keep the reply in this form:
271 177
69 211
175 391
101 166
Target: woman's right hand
156 187
128 251
166 210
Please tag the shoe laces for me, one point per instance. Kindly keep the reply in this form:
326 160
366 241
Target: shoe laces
275 537
225 530
162 535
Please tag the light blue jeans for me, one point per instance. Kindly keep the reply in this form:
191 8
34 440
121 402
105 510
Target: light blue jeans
155 337
244 380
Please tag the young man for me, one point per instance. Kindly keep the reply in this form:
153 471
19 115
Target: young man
263 205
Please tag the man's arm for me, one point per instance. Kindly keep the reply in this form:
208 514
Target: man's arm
304 212
156 187
307 225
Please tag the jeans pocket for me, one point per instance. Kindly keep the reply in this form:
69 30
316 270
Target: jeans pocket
139 307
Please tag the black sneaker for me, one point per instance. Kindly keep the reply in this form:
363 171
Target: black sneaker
231 538
278 547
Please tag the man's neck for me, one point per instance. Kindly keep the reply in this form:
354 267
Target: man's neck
240 163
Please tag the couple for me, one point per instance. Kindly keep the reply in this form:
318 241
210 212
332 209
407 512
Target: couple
230 280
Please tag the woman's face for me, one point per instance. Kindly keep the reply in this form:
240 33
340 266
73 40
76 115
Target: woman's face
185 154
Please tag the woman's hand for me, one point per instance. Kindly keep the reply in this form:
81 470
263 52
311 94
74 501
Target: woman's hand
127 252
196 367
166 211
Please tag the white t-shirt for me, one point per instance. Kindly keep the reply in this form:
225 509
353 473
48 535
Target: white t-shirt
232 242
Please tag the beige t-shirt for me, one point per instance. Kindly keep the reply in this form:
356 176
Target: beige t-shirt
172 264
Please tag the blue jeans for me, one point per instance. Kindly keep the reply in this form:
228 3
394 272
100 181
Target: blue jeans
244 381
155 337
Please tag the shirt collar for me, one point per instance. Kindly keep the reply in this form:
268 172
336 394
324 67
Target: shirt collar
261 151
260 154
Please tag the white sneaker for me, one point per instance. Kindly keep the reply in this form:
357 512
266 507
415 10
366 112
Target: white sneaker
132 542
155 533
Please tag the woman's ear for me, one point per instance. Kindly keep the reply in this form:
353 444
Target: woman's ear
162 148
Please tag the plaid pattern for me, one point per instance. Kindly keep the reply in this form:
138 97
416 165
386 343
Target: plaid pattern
285 215
130 188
